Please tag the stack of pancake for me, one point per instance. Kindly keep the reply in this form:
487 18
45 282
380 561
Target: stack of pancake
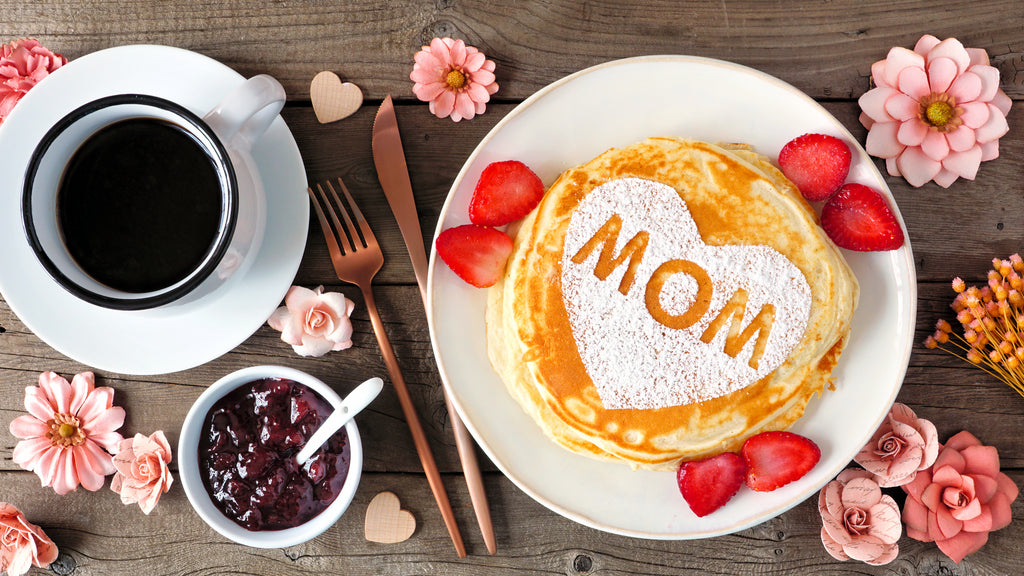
771 358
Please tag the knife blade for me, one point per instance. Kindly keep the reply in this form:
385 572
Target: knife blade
393 173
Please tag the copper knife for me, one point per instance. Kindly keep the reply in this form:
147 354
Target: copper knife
393 173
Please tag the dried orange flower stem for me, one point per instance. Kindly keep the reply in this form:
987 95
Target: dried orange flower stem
992 318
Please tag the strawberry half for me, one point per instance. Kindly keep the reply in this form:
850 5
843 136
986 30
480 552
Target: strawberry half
775 459
475 253
506 192
708 484
858 218
816 163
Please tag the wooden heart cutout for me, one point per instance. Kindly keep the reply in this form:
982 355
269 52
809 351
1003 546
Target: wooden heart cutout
386 522
662 319
333 100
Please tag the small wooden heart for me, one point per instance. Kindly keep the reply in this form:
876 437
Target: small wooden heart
333 100
386 522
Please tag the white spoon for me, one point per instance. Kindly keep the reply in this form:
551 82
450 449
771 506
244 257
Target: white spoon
352 404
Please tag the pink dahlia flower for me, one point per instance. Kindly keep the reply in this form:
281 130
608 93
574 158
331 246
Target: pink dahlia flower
858 521
142 473
936 112
314 322
23 63
960 499
68 432
457 80
22 544
903 445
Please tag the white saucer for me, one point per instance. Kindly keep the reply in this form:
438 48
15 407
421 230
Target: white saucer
175 337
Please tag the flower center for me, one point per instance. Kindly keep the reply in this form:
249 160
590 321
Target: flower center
889 446
455 79
65 431
856 520
940 112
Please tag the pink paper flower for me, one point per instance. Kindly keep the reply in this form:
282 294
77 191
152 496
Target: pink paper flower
457 80
936 112
142 474
858 521
68 432
902 445
22 544
314 322
23 63
960 499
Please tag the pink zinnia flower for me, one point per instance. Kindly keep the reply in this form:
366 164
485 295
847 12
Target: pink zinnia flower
142 473
903 445
936 112
457 80
960 499
68 432
23 63
22 544
314 322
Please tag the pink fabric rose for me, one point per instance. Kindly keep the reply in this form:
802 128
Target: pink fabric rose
23 63
960 499
22 544
142 474
68 432
314 322
902 445
457 80
936 112
858 521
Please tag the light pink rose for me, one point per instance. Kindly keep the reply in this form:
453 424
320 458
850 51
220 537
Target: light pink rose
142 474
902 445
23 63
22 544
960 499
314 322
858 521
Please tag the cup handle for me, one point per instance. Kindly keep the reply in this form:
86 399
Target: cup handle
246 113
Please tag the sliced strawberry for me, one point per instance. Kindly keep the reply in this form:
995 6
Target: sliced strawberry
475 253
506 192
816 163
775 459
708 484
858 218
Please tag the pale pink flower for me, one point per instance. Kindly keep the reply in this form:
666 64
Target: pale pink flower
22 544
858 521
314 322
960 499
457 80
23 63
142 474
902 445
68 432
936 112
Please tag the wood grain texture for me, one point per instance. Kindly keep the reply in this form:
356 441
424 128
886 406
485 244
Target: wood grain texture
823 48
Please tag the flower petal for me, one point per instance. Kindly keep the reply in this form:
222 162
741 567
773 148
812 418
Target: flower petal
65 478
977 518
941 73
989 150
964 164
458 52
999 508
28 426
981 460
900 59
902 107
912 132
966 88
945 178
835 549
885 521
962 544
915 515
444 104
925 44
58 390
861 493
38 404
474 60
944 525
979 57
951 48
111 419
81 385
975 115
464 105
84 470
935 145
28 452
882 141
996 126
962 440
917 168
99 401
989 76
878 75
865 548
873 101
913 82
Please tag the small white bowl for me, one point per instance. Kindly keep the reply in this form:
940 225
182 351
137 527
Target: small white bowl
202 503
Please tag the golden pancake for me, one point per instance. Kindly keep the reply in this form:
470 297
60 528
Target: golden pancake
666 301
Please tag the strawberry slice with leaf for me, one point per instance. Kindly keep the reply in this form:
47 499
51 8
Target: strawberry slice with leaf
505 192
858 218
476 254
777 458
708 484
817 163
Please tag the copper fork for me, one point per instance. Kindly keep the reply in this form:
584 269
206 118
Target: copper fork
357 257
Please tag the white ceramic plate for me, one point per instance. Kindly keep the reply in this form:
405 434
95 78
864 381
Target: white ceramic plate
617 104
164 339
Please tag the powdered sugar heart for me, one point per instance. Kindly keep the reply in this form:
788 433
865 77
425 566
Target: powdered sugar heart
652 307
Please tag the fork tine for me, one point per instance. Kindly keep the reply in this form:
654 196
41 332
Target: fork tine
325 226
364 227
347 230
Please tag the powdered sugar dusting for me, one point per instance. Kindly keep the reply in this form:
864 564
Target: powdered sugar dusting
636 361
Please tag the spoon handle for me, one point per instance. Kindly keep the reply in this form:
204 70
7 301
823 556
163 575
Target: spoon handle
352 404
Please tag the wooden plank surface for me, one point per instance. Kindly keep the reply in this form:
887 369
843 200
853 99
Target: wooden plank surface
823 48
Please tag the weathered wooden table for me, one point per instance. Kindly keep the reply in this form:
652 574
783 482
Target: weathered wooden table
823 48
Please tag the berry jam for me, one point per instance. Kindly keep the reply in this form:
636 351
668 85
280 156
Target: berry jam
247 455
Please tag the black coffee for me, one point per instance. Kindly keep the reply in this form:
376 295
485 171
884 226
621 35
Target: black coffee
139 205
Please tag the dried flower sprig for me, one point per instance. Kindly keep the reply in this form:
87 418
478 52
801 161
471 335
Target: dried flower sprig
992 318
